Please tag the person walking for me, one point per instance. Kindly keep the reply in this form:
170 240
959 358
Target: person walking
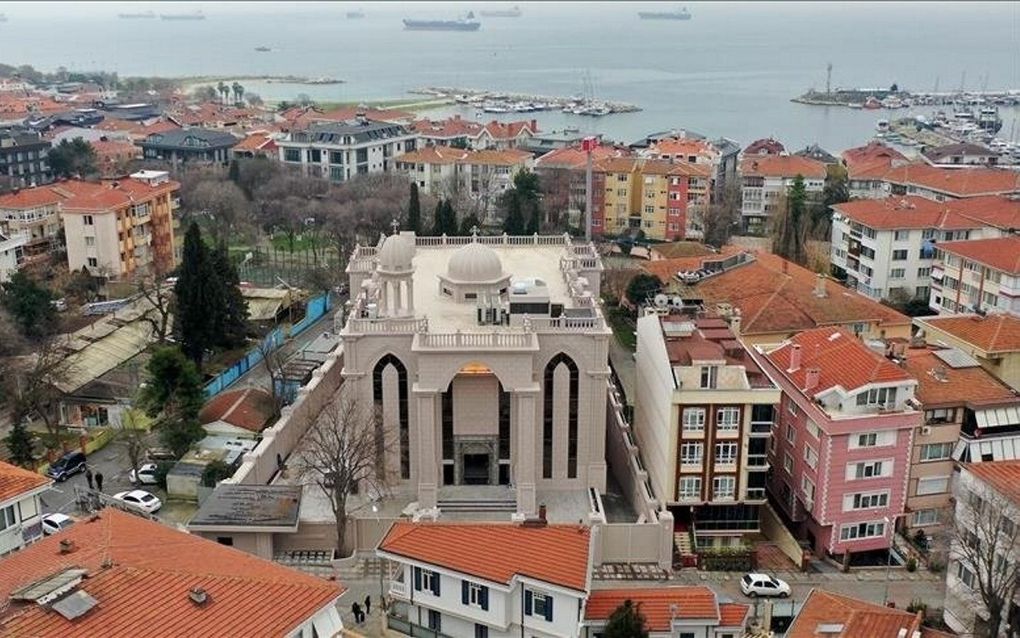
356 610
88 477
99 481
368 604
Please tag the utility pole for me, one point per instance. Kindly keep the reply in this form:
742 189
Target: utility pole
828 79
588 145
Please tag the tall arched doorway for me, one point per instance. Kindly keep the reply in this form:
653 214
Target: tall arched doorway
475 428
403 425
549 393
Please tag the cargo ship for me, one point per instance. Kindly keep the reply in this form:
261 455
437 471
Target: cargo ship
467 23
355 15
197 15
502 13
680 14
136 16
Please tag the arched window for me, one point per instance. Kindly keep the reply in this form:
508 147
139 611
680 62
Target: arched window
377 398
547 416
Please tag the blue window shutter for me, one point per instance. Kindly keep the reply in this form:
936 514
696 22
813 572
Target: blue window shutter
464 592
548 608
417 578
435 583
485 598
527 602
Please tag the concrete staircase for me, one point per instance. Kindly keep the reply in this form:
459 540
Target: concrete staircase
477 505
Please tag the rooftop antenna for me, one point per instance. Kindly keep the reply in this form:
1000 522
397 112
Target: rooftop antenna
828 78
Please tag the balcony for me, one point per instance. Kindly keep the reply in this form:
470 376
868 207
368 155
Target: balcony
398 589
761 428
758 460
408 628
755 493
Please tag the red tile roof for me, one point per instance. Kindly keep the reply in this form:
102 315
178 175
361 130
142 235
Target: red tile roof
872 154
557 554
958 182
574 158
992 210
451 127
255 142
665 269
29 198
652 167
162 564
15 481
858 618
511 130
843 360
250 409
1000 253
992 333
74 195
1003 476
782 166
765 146
684 146
961 386
657 606
904 212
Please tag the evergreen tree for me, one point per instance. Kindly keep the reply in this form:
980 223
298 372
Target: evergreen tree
449 218
196 298
437 219
534 221
468 223
174 386
514 222
232 310
72 157
414 210
19 444
30 305
521 204
792 231
234 173
626 621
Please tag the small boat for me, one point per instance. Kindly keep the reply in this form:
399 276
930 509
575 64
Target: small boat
856 105
680 14
502 13
262 49
467 23
882 126
144 15
355 15
872 103
195 15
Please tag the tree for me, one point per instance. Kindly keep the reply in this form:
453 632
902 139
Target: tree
234 171
35 381
719 218
133 434
444 220
196 295
414 210
836 191
985 543
73 158
791 224
224 91
254 99
29 305
231 312
19 444
205 93
343 452
238 91
160 313
641 287
514 222
626 621
174 391
520 204
222 202
469 225
214 472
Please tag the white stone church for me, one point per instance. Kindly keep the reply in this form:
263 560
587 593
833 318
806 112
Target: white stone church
488 359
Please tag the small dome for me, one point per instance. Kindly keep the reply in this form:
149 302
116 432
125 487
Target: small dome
396 254
474 263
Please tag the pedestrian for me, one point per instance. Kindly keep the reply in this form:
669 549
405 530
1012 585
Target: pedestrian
356 610
368 604
99 481
88 476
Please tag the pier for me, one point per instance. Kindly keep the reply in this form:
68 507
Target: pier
505 102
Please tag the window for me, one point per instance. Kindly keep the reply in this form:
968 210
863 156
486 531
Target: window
788 463
538 604
292 155
88 220
810 457
694 419
426 580
481 631
873 439
649 210
791 434
865 501
690 487
90 241
691 453
727 419
725 452
936 451
474 594
899 255
901 235
924 273
867 440
92 262
932 485
723 487
877 396
225 540
897 273
940 415
812 428
808 487
435 620
965 575
791 407
709 376
925 517
858 531
868 469
7 517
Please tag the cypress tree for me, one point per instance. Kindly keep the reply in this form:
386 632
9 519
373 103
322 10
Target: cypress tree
19 444
437 219
234 172
449 219
232 312
514 224
196 298
414 211
469 222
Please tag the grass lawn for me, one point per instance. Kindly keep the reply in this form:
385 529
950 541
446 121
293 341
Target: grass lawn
623 326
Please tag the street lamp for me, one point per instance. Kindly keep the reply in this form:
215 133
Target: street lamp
378 523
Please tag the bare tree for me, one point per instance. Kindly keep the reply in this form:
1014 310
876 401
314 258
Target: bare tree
343 453
160 298
133 435
36 380
984 550
222 201
718 220
273 360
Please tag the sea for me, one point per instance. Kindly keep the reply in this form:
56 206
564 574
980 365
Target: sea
730 71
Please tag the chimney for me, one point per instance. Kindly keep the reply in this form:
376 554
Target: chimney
66 546
811 380
541 513
794 358
534 126
820 291
198 596
735 321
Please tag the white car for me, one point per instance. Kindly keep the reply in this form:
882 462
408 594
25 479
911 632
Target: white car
140 499
146 475
53 523
755 585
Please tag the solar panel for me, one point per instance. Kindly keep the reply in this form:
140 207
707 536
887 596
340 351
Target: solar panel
75 605
41 591
956 358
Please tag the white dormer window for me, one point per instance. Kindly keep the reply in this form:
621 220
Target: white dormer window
877 396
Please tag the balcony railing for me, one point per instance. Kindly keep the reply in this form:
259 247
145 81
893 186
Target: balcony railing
398 589
407 628
475 340
754 493
757 460
761 427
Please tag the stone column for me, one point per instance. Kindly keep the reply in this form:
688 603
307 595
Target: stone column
428 473
410 297
524 459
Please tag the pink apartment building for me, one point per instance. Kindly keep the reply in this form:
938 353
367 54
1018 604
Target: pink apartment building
841 444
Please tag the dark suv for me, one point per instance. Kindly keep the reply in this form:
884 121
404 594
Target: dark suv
67 466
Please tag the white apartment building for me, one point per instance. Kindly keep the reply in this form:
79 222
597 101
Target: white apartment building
11 254
33 213
982 275
704 412
488 360
946 184
338 151
20 511
765 179
488 580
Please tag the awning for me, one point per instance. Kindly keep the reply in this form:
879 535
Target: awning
997 417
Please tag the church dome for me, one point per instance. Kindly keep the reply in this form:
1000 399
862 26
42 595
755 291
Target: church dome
396 254
474 263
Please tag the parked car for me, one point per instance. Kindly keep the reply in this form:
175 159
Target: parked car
67 466
141 499
53 523
146 475
755 585
160 454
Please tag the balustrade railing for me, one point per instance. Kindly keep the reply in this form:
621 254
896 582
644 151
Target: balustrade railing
476 340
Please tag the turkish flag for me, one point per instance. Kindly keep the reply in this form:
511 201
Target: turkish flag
589 144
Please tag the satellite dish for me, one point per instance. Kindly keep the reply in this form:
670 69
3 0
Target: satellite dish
678 301
661 300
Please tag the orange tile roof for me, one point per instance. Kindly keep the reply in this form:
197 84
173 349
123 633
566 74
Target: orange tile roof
870 152
1000 253
75 196
859 618
992 210
782 166
959 182
448 155
556 554
902 212
683 146
843 360
249 408
962 386
1003 476
254 142
30 198
778 296
573 157
656 605
652 167
665 269
349 113
510 130
449 128
163 564
993 333
15 481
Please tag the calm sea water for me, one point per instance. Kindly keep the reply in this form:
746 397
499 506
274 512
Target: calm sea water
730 71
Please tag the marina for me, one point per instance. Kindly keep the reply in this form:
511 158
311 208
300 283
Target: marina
502 102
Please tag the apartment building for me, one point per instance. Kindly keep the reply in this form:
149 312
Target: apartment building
451 172
942 184
461 133
33 214
20 511
653 196
885 248
841 448
677 144
338 151
867 165
765 180
669 612
703 415
993 340
12 255
960 154
563 174
981 275
178 146
24 159
969 417
450 582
